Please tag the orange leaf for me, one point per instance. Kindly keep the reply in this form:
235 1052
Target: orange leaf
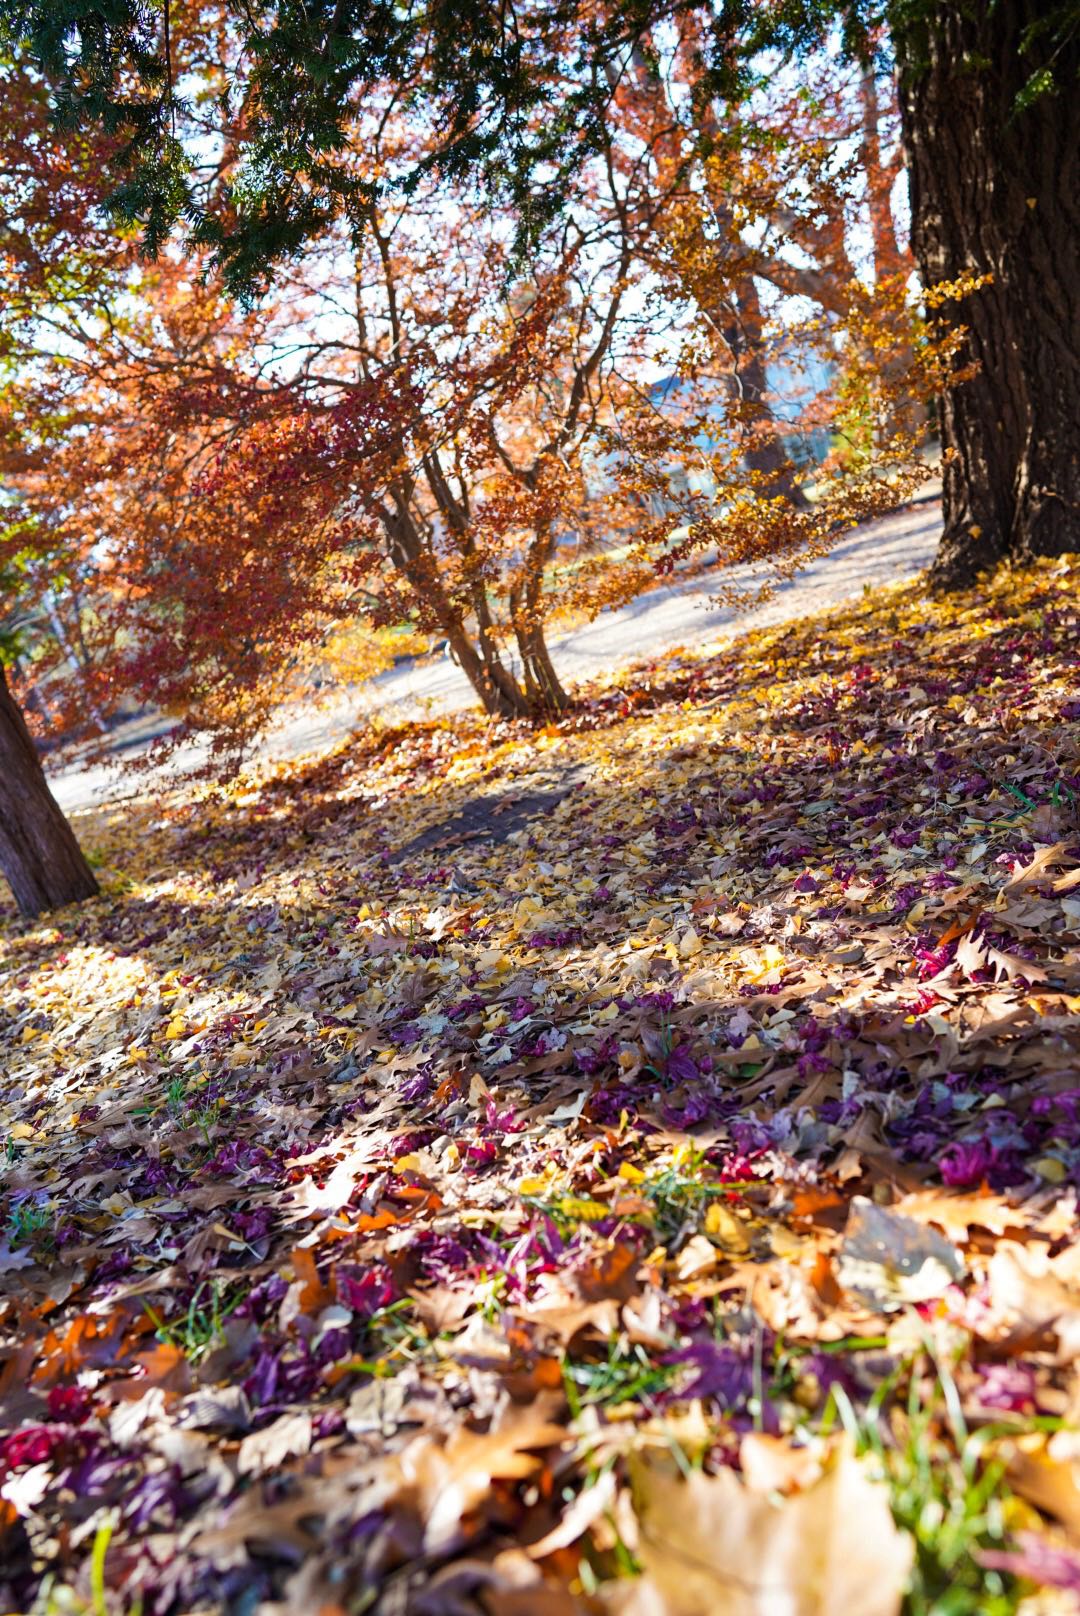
314 1294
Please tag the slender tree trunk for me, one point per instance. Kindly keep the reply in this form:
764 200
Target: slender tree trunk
498 692
38 851
996 190
482 665
732 304
542 683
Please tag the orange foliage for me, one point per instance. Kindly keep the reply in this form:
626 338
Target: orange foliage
416 429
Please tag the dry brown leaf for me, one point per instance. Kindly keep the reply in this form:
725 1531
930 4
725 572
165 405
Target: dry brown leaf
589 1505
888 1260
710 1544
442 1307
311 1201
450 1475
1035 873
385 942
508 1585
1029 1297
1050 1480
307 1293
1014 965
289 1437
956 1215
589 1296
772 1464
642 1319
556 1308
698 1256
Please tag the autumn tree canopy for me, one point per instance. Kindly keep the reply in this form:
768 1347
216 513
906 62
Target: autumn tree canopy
415 424
524 98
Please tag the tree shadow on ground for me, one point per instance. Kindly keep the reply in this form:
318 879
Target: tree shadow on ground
357 1064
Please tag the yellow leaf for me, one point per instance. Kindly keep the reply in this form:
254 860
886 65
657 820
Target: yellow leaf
762 963
176 1028
228 1234
725 1229
1050 1168
492 959
572 1206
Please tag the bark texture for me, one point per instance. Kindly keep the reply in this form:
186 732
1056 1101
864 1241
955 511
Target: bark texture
996 190
39 855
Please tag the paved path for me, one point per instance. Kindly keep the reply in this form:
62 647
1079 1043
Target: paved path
680 614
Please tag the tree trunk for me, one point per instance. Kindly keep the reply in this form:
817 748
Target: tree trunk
38 851
482 666
542 684
499 693
996 190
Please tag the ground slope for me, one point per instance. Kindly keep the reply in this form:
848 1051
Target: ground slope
683 615
627 1167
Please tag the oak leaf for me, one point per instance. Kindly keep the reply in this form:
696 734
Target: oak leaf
449 1476
709 1543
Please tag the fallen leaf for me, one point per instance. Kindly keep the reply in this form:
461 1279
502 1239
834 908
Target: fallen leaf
287 1438
709 1543
452 1473
771 1464
888 1260
957 1215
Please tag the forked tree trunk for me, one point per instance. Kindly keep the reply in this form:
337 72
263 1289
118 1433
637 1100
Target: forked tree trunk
996 190
499 693
39 855
481 664
542 684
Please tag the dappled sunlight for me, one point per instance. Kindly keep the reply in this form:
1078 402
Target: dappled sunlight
561 1054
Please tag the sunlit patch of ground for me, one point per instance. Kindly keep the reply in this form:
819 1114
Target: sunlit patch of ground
627 1166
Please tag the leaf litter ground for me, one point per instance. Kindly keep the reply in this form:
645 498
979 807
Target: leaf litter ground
630 1167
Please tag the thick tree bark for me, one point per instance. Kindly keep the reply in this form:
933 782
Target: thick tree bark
38 851
996 190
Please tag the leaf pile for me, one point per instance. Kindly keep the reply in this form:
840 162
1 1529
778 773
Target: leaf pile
629 1167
